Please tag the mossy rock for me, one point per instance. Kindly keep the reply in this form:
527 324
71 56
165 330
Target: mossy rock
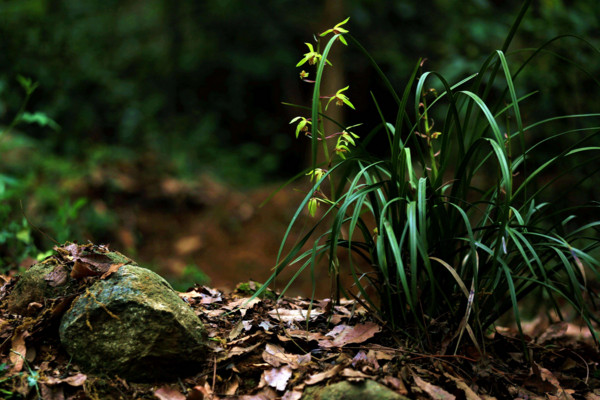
51 279
345 390
36 285
134 325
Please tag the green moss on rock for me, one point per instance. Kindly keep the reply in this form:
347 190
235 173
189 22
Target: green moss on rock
40 283
133 325
367 389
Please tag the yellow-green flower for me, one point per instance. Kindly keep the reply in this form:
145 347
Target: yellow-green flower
302 125
313 203
303 74
312 56
338 30
345 139
316 174
340 99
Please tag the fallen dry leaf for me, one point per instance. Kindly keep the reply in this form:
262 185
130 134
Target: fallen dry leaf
73 380
18 350
321 376
51 392
236 351
111 270
232 386
462 385
276 356
166 393
435 392
57 277
278 377
300 334
354 375
285 315
344 334
200 392
292 395
396 384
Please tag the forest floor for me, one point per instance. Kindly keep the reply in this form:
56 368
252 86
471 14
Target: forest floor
266 349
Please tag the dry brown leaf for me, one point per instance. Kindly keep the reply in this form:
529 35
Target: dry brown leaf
554 331
236 351
278 377
321 376
242 305
382 354
286 315
82 270
265 394
276 356
235 332
354 375
51 392
200 392
292 395
166 393
73 380
205 294
396 384
434 391
462 385
344 334
232 386
57 277
111 270
300 334
18 350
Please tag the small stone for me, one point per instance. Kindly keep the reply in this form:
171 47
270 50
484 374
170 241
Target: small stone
367 389
134 325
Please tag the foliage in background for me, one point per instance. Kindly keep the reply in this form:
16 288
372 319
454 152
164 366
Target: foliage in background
449 229
200 82
16 240
197 85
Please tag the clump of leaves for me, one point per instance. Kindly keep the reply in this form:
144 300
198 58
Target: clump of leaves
453 222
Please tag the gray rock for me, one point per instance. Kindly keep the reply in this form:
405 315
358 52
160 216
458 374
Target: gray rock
134 325
367 389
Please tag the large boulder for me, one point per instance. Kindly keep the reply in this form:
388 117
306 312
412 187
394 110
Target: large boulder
134 325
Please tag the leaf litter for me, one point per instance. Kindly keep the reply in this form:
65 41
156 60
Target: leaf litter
266 349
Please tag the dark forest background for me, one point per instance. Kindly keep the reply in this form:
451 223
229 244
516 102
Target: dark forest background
189 89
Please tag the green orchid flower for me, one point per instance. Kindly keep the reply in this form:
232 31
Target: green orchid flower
340 99
316 174
346 139
302 125
338 30
312 56
313 203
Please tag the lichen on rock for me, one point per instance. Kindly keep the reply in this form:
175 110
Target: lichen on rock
134 325
46 280
345 390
